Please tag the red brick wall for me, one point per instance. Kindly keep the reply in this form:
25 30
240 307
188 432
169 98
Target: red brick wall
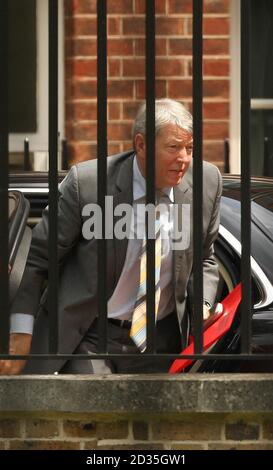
187 431
126 69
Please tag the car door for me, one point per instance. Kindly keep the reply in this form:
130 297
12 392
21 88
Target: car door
19 239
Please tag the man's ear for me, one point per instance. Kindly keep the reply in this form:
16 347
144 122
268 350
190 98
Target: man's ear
140 146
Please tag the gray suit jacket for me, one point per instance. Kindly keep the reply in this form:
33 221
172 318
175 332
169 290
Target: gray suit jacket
78 256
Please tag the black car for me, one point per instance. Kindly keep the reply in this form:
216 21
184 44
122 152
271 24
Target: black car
34 186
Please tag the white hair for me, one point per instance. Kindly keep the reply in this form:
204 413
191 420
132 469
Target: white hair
167 111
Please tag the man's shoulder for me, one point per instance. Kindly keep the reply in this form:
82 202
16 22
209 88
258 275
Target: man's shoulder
210 168
212 175
212 181
86 175
88 168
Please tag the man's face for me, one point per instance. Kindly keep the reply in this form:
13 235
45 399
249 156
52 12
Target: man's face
173 155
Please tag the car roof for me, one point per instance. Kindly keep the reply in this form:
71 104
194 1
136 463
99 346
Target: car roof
259 186
32 179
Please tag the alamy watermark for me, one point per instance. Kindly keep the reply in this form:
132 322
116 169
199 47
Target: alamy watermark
127 221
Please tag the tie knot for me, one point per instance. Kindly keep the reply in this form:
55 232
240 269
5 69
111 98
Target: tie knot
162 197
159 195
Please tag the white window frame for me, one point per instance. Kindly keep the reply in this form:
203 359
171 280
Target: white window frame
235 87
38 141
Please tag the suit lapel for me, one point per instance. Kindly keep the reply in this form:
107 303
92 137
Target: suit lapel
124 195
182 195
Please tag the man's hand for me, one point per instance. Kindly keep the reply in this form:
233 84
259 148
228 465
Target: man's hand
19 344
206 312
211 314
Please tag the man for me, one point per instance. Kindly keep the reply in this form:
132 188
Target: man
78 308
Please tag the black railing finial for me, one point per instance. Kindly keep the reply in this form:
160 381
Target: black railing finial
226 156
27 166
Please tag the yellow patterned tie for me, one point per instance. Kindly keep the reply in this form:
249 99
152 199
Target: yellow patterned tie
138 331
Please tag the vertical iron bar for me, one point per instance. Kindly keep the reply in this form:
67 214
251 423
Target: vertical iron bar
26 155
53 174
245 177
102 166
266 171
226 156
150 167
198 174
64 155
4 245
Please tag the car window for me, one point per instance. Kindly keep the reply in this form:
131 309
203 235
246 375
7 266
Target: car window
262 213
229 264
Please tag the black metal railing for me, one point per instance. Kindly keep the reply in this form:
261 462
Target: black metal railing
53 173
150 167
150 189
245 177
102 167
198 173
4 246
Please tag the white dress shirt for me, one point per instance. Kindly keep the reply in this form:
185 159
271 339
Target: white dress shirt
121 304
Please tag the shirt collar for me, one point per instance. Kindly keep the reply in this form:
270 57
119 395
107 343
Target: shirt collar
139 184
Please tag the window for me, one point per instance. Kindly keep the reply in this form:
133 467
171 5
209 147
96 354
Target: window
261 87
261 70
22 66
262 212
28 91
